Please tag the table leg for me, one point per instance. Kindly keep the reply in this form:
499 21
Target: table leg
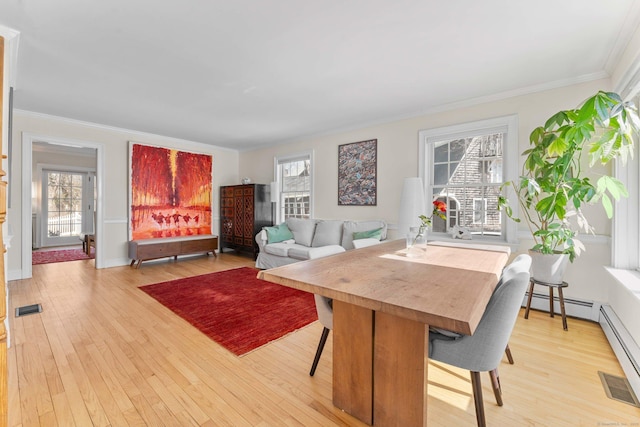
400 363
353 360
551 301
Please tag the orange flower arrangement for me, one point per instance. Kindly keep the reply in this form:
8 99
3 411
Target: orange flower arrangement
439 209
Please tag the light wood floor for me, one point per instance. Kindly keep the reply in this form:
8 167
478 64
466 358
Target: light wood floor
104 353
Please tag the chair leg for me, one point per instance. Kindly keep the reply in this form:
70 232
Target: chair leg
495 383
323 340
477 397
509 355
564 314
526 311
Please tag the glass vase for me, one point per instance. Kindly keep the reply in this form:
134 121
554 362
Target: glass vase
416 242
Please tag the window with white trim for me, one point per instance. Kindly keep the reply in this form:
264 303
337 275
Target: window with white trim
295 190
464 166
626 221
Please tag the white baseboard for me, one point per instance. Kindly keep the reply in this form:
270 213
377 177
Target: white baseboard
624 346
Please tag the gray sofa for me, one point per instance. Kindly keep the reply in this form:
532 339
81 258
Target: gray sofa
311 238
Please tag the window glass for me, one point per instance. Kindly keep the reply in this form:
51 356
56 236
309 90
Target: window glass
294 184
464 166
467 173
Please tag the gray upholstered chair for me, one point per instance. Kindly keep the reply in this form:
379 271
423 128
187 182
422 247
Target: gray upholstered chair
483 350
325 316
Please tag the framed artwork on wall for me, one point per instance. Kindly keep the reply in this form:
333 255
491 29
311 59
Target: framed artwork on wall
357 173
170 192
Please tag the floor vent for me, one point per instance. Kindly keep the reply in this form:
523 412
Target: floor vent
618 388
28 309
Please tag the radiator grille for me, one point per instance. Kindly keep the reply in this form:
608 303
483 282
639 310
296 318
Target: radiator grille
618 388
28 309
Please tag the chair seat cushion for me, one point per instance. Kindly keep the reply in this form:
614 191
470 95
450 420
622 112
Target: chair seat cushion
281 248
303 252
439 333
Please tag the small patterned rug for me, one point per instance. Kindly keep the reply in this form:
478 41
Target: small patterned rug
46 257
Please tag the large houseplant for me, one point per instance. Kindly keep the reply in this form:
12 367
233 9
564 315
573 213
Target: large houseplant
553 188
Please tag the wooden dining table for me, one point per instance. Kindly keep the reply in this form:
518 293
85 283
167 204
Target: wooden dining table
383 304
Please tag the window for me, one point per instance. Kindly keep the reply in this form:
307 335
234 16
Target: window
294 181
66 195
464 166
626 221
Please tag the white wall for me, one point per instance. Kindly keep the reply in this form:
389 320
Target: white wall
116 152
398 158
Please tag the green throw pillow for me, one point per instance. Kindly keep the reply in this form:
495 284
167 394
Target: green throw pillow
369 234
278 233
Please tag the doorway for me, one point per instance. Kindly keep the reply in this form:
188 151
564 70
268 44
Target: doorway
42 155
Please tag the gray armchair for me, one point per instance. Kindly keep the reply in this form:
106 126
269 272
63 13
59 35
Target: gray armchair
483 350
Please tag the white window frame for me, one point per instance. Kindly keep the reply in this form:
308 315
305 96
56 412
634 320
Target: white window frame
625 246
278 179
482 210
510 166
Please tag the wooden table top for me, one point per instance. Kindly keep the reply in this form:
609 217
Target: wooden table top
448 288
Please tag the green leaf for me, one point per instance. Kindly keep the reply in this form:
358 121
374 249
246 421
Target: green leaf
587 111
601 108
536 135
544 205
559 118
614 186
557 147
608 206
533 188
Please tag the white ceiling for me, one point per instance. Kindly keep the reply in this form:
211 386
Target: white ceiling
249 73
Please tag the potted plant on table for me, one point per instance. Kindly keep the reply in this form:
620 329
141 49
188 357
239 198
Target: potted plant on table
553 188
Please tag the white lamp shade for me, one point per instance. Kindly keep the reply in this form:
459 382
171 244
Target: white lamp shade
412 205
274 192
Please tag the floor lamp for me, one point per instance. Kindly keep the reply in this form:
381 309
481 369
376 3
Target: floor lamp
412 205
275 195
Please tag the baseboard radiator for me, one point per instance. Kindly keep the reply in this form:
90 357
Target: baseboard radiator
627 351
624 346
573 307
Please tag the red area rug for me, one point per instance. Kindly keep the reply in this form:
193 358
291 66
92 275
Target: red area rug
46 257
236 309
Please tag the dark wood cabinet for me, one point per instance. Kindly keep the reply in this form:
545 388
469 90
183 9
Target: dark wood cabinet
244 210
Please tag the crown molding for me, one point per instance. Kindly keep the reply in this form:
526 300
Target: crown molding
131 134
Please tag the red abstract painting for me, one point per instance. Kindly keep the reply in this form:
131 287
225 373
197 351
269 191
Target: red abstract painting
170 192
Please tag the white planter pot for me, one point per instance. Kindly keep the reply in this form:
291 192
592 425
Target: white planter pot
548 268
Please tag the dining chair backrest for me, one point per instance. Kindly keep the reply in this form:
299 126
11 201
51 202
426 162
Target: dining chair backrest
325 311
483 350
